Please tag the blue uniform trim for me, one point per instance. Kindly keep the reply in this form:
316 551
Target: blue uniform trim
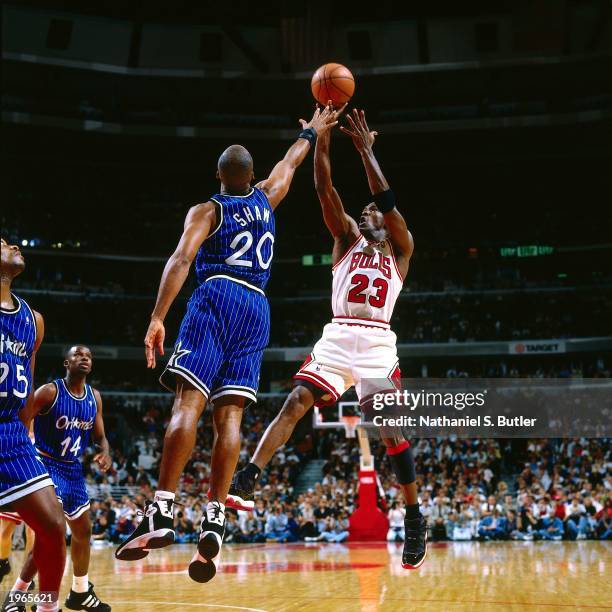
26 488
22 471
237 280
220 223
220 344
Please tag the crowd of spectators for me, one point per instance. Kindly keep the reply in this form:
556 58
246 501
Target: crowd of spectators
437 318
470 489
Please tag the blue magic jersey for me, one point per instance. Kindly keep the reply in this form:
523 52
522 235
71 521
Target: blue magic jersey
242 244
63 431
17 342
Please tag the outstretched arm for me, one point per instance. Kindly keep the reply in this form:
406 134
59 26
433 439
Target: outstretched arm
363 139
198 224
338 222
276 186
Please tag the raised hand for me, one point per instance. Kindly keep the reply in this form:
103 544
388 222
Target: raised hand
323 119
362 137
154 341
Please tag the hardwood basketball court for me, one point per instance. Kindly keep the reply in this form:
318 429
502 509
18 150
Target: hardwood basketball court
361 577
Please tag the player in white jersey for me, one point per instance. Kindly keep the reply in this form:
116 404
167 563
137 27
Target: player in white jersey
370 262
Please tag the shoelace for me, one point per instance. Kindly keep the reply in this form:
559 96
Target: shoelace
142 512
216 509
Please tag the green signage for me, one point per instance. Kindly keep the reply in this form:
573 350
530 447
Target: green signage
529 250
324 259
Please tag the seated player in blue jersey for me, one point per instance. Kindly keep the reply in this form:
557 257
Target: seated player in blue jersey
25 485
67 413
217 355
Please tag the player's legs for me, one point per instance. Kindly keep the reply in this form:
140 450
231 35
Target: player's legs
297 404
180 437
7 529
156 529
402 464
29 539
43 513
227 417
376 371
82 595
80 545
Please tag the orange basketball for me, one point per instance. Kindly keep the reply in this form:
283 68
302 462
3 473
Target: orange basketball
333 82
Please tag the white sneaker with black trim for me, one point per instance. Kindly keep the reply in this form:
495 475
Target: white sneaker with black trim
156 530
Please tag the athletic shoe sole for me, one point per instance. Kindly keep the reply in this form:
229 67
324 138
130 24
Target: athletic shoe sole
209 545
238 503
139 547
408 566
202 569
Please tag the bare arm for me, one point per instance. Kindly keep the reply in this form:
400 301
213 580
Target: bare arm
198 223
338 222
363 139
41 399
399 234
40 334
103 458
276 186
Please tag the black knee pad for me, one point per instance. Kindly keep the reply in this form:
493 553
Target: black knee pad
402 462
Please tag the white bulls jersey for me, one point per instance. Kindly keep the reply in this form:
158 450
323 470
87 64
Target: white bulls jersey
366 283
358 347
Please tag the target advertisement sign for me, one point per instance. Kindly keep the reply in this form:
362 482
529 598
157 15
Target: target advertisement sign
537 347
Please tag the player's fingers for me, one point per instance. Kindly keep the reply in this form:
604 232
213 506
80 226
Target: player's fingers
363 120
149 356
347 132
341 109
352 123
374 133
160 344
303 123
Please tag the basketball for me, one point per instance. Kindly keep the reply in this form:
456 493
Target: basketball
333 82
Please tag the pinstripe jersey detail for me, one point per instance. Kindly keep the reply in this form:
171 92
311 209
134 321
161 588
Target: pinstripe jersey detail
65 430
241 246
17 342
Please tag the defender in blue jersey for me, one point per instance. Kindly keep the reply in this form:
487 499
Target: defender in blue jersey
25 485
67 415
217 355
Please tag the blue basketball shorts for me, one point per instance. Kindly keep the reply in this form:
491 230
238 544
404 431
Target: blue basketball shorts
22 471
70 486
221 340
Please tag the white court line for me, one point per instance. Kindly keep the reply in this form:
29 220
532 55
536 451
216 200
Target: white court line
194 605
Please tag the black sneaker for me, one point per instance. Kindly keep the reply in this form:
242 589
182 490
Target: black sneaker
86 601
415 544
7 606
5 568
154 531
240 496
203 566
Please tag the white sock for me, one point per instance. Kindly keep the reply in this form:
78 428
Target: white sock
167 495
21 585
80 584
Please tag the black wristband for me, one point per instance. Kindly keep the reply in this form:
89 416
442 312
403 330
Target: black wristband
310 135
385 200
